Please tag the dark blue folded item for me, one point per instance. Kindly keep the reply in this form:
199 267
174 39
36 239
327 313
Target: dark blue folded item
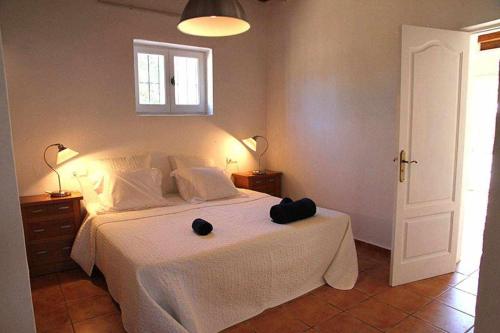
286 200
293 211
202 227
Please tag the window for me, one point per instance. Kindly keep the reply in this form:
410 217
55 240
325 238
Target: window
172 79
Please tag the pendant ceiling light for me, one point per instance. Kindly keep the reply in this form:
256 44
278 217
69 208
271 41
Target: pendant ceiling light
213 18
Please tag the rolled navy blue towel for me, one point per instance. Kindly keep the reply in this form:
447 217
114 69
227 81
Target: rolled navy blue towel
294 211
202 227
286 200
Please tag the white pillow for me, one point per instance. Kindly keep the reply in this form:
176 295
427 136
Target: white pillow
181 162
87 189
91 180
131 190
160 160
100 168
203 184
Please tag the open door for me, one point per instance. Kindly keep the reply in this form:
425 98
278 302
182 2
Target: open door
434 68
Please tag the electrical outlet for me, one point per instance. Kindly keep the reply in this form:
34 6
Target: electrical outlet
230 161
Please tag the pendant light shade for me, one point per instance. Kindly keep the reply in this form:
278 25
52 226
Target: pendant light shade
213 18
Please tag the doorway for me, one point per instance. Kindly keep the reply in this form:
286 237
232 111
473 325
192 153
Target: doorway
478 153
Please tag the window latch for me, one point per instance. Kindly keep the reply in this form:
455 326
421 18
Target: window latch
172 80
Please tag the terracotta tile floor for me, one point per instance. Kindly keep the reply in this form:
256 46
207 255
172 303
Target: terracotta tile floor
72 302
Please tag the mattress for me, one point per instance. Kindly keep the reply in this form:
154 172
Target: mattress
168 279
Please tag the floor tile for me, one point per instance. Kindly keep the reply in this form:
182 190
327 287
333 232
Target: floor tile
87 308
240 328
377 314
343 299
51 316
368 251
66 328
414 325
468 267
432 287
277 320
103 324
366 263
459 300
370 284
311 309
47 296
381 273
452 279
62 298
344 323
446 318
403 299
71 276
75 285
470 284
44 281
46 290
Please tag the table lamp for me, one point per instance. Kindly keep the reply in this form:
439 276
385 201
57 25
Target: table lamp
251 143
64 154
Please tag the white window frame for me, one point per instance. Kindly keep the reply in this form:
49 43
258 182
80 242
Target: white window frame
169 51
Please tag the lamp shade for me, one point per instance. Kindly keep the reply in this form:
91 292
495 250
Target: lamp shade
251 143
65 154
213 18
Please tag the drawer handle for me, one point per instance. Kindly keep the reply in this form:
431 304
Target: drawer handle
271 180
39 230
42 252
66 226
258 182
37 211
63 208
66 248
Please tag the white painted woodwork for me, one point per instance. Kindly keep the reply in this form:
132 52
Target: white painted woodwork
431 131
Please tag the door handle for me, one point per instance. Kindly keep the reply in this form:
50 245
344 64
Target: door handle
403 162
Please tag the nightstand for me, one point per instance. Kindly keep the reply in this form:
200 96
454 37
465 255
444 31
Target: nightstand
50 226
269 183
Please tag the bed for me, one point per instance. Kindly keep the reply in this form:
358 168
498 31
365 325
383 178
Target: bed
168 279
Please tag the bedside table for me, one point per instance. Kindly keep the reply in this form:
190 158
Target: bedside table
50 226
269 183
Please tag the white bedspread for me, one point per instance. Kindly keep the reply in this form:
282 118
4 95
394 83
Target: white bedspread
168 279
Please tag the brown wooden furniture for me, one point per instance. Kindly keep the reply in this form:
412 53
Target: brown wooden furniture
269 183
50 226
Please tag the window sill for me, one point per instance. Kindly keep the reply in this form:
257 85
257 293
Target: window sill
172 114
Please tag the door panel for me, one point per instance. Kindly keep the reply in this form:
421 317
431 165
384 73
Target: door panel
435 244
433 121
433 90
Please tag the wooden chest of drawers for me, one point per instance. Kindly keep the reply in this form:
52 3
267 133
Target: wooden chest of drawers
269 183
50 226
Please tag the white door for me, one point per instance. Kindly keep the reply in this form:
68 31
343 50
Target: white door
431 139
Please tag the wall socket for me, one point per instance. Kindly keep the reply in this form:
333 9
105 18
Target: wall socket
230 161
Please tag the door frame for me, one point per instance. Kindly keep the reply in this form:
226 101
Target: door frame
472 30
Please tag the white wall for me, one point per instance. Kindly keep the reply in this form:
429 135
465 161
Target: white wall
333 87
16 311
329 71
69 65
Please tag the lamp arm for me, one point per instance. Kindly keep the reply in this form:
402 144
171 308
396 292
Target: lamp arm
50 166
265 150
